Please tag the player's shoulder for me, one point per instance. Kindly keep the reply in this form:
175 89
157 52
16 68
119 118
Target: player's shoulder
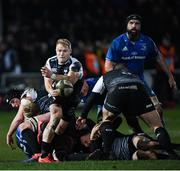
146 38
120 39
74 59
29 92
52 58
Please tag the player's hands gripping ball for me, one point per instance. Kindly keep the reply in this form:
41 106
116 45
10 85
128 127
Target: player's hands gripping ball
64 88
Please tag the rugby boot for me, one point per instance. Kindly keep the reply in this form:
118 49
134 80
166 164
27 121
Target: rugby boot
47 159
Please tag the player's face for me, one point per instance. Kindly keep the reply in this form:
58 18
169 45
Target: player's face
63 53
85 140
133 27
15 102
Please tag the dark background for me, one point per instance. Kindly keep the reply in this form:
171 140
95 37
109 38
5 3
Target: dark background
29 30
33 26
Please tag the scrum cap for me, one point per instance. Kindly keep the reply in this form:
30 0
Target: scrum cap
134 17
13 93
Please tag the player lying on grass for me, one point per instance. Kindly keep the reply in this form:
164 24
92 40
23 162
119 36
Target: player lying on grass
124 147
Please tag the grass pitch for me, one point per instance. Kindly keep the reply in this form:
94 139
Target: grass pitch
11 159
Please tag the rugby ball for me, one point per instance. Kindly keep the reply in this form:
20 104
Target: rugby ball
64 88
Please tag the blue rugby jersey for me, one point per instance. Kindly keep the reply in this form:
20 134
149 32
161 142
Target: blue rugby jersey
132 54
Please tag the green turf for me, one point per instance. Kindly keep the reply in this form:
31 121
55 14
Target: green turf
10 160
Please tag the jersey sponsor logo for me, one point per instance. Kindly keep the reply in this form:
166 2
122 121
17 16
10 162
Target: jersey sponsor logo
54 69
65 71
133 87
108 130
132 57
125 49
143 47
149 105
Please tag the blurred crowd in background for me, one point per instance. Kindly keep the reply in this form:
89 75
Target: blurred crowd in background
30 28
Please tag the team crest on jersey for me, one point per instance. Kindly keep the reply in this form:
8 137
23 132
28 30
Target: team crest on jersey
125 49
54 70
143 47
65 71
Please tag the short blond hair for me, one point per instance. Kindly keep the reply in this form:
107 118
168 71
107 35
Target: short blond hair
64 42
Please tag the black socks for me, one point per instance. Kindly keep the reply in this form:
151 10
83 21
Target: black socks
31 139
107 134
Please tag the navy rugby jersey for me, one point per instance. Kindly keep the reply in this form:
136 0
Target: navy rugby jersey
132 54
115 77
53 66
120 148
40 100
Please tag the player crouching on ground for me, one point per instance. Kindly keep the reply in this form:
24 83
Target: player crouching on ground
30 103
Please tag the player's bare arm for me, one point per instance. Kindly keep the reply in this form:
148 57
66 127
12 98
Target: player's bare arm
164 67
109 65
19 118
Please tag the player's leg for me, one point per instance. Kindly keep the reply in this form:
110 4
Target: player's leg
111 109
29 134
158 107
153 120
133 122
150 116
107 132
32 134
49 132
23 144
66 134
61 127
